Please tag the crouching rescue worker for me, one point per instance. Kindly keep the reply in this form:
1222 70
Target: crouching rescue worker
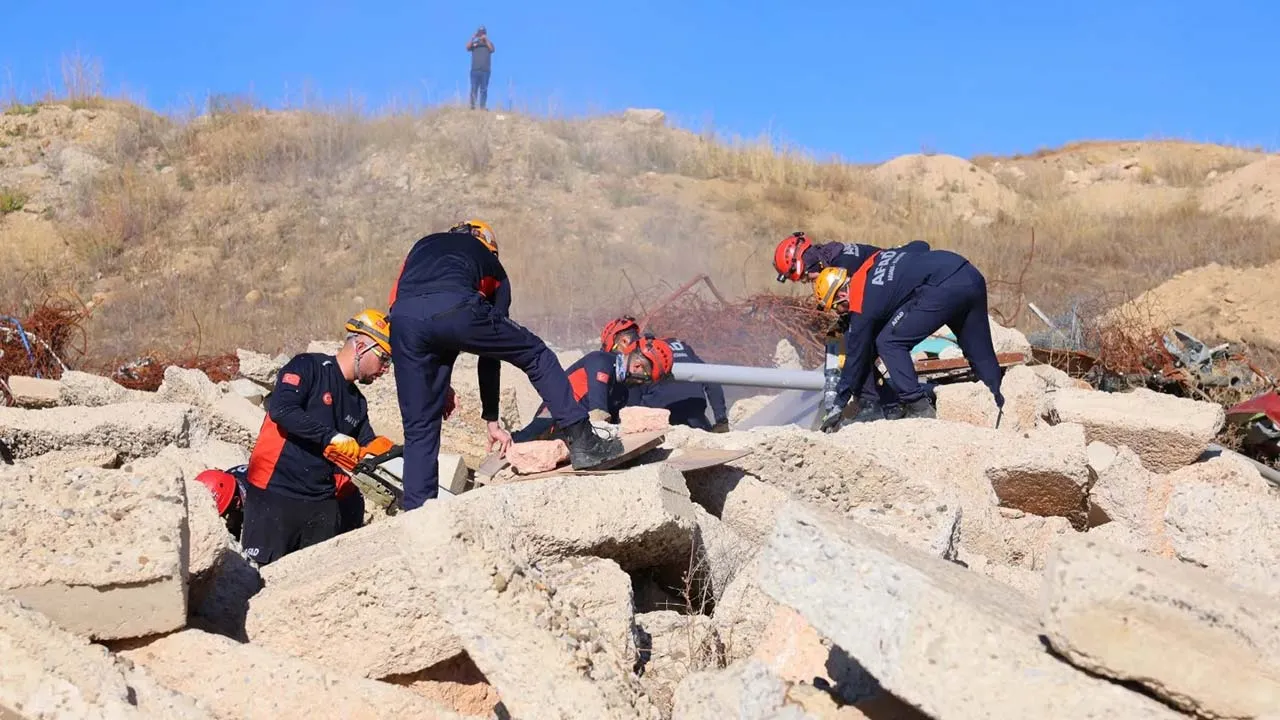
231 492
601 381
452 296
894 300
316 409
687 401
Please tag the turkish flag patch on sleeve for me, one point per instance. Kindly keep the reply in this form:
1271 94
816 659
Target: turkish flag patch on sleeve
291 379
602 376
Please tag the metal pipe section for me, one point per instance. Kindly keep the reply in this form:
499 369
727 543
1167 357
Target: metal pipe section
750 376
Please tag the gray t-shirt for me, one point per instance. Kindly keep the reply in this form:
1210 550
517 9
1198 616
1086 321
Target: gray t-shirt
480 53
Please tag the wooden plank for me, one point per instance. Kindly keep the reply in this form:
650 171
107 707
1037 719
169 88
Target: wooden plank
700 458
633 446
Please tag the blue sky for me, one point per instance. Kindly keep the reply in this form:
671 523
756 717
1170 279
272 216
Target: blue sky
864 81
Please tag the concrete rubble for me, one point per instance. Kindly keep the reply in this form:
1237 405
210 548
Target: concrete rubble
909 569
1123 615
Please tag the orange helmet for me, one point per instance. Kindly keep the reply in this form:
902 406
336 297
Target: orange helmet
788 257
481 230
223 486
626 326
659 354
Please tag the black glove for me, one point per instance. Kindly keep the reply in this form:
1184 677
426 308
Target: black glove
999 399
721 426
835 415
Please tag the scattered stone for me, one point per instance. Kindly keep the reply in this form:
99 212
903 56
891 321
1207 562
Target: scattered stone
50 672
269 685
29 392
101 552
132 429
785 356
1124 616
637 419
452 472
950 642
187 386
602 592
535 456
1167 432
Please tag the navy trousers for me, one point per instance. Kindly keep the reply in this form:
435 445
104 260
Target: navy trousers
959 302
427 333
872 393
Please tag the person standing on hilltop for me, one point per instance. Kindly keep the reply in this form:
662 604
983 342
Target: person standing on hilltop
481 48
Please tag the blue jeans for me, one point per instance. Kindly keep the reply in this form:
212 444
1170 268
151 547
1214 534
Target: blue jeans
480 87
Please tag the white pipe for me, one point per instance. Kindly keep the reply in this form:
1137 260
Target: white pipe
749 376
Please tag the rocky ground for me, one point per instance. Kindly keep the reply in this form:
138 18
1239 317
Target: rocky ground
1083 560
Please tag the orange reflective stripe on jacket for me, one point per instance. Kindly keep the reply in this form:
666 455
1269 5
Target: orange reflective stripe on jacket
858 282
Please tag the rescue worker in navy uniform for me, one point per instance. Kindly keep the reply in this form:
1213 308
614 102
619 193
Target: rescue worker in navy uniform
687 401
452 296
602 381
231 492
895 299
316 408
799 259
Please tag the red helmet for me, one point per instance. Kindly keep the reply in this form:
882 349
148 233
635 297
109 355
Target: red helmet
614 328
223 486
788 257
659 354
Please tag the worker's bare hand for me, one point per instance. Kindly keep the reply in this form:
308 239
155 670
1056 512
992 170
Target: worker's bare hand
450 403
498 436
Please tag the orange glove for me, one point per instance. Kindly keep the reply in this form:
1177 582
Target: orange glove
378 446
343 449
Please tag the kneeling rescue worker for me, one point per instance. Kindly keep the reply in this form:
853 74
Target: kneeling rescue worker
231 492
687 401
316 409
894 300
452 296
601 381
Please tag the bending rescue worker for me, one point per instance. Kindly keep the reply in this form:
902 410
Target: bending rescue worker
452 296
894 300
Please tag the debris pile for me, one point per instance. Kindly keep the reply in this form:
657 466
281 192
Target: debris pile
916 568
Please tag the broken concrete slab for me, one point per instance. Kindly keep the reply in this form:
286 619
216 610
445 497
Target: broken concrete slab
452 472
29 392
187 386
351 603
743 612
211 454
270 685
745 689
1049 477
89 390
1167 432
797 653
602 592
119 566
1025 395
249 390
720 553
260 368
638 419
235 420
207 539
132 429
1222 516
71 458
1123 615
225 604
1127 494
950 642
49 672
534 645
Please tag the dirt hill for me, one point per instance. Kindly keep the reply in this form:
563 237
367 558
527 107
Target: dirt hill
242 227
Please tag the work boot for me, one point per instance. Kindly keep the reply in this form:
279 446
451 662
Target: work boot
921 408
869 412
588 448
894 412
